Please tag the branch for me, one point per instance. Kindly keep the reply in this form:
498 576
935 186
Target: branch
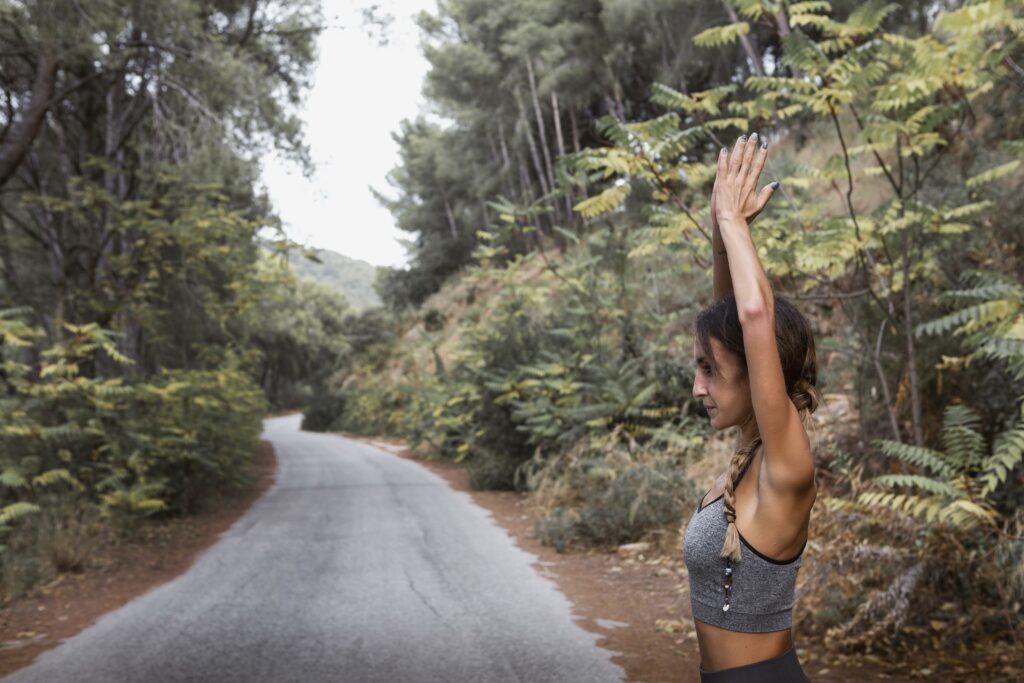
898 188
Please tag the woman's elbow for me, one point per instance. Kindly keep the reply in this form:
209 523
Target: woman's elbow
750 313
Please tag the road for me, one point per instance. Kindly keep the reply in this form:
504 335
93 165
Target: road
356 566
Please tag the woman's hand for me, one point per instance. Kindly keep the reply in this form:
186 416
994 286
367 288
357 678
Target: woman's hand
733 197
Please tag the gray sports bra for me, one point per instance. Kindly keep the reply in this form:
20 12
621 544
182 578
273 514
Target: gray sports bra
754 595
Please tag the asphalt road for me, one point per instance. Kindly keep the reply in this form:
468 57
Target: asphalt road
357 565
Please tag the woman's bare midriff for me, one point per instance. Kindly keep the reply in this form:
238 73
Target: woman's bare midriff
723 649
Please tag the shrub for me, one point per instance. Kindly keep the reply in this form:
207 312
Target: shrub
602 499
492 471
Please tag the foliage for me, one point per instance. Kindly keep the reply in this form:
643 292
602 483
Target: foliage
522 83
138 318
609 495
143 446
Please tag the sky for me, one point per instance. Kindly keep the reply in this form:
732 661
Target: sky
361 91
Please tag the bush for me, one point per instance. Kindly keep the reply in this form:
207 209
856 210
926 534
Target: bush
489 471
60 537
324 410
610 499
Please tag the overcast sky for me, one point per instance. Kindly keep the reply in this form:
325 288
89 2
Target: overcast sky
362 90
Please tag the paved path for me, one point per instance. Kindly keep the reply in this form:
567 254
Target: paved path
357 565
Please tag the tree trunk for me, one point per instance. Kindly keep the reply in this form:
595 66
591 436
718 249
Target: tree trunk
556 114
886 394
538 166
10 272
504 144
575 131
908 314
560 141
26 131
748 42
541 129
506 164
452 227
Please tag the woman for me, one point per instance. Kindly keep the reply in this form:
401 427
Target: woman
756 370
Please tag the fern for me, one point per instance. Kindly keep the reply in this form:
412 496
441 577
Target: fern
994 326
917 456
961 436
964 475
1007 454
926 484
607 201
53 476
11 512
721 35
995 173
13 479
868 17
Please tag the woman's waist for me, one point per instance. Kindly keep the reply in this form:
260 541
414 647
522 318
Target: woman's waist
723 649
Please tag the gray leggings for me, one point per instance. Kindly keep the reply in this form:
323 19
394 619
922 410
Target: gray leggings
782 669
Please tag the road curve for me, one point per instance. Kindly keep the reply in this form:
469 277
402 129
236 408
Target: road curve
356 566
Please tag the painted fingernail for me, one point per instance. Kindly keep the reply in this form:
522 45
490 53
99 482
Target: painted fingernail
724 150
764 143
775 185
743 138
753 137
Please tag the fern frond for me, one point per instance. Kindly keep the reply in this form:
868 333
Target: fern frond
967 319
926 484
607 201
1006 455
11 512
994 173
961 437
918 456
53 476
721 35
811 6
13 479
868 17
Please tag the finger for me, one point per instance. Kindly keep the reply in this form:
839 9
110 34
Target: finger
736 158
765 195
760 157
748 156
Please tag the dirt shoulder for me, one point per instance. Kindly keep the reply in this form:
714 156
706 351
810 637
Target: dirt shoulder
119 572
636 598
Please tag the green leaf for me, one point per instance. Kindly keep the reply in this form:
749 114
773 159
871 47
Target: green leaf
721 35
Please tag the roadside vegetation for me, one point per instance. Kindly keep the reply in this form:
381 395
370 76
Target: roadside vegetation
147 317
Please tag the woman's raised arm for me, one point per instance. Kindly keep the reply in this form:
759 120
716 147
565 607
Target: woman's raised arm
787 467
721 277
721 280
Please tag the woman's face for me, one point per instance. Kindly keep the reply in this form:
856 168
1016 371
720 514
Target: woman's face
722 385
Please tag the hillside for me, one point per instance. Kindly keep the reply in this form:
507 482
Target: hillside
351 277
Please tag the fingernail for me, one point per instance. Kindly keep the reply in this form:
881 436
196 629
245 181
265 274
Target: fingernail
775 185
724 150
753 136
743 138
764 143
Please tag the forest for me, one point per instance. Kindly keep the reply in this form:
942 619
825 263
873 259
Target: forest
557 197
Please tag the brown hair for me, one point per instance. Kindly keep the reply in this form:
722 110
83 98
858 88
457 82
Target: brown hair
795 341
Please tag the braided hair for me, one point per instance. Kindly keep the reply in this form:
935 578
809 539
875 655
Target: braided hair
795 343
